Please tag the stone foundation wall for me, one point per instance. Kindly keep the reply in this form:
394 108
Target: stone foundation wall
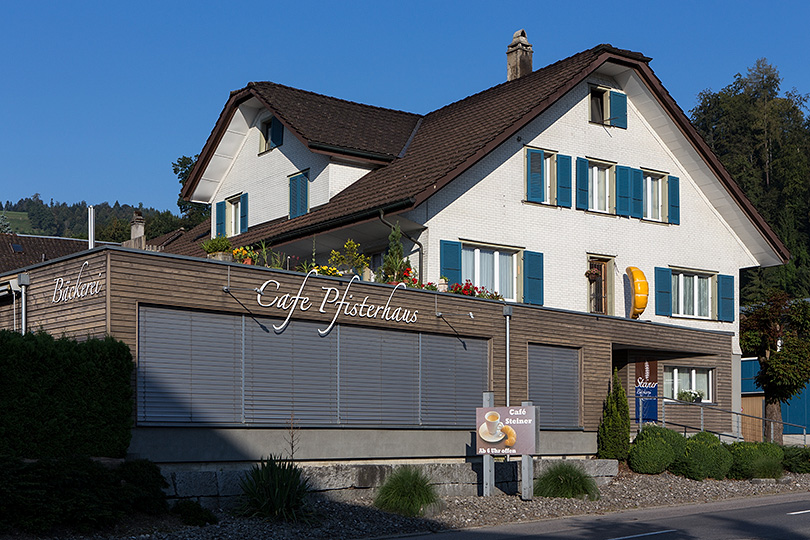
219 488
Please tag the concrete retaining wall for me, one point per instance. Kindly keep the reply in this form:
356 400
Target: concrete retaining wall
219 488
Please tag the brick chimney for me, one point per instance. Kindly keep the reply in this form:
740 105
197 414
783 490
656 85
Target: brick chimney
518 56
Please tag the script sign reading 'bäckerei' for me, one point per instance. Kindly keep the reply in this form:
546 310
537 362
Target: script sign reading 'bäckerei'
505 431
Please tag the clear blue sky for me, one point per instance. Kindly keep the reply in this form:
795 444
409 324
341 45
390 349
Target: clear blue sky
97 99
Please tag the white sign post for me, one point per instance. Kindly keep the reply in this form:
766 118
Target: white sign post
489 459
527 468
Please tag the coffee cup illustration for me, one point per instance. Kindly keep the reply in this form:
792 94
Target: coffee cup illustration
493 422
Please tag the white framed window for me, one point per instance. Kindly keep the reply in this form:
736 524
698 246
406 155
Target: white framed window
600 187
490 267
692 294
541 174
232 223
698 381
653 196
599 105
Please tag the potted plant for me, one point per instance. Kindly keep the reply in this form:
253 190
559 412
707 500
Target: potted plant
244 255
691 396
350 261
593 274
218 248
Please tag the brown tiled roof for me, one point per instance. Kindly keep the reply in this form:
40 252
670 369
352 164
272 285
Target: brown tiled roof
331 122
186 242
20 250
446 142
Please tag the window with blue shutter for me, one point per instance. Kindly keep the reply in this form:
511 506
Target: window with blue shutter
243 213
535 185
299 195
725 298
622 190
533 278
636 193
450 255
663 291
582 183
618 109
220 218
674 200
564 181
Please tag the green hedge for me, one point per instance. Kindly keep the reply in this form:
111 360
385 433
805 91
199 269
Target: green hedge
673 438
650 455
704 457
796 459
61 397
750 456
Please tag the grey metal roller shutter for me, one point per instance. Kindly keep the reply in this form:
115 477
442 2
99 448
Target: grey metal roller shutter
453 379
379 377
554 386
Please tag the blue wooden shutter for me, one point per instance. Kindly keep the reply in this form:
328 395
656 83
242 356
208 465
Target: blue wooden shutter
303 194
663 291
533 278
450 255
618 109
725 298
276 133
637 193
535 185
243 213
220 210
294 196
622 190
582 183
674 192
564 181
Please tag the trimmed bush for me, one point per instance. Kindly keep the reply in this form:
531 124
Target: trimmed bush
673 438
565 480
62 397
766 456
274 489
613 435
704 437
796 459
142 487
651 455
407 491
192 513
704 457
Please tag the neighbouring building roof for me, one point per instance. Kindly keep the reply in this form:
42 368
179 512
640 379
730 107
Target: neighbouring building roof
21 250
421 154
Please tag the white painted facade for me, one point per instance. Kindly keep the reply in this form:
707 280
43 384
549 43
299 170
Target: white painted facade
487 205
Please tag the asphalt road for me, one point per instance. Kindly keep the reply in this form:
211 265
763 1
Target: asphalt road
776 517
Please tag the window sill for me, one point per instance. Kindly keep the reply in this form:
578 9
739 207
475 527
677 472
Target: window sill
694 318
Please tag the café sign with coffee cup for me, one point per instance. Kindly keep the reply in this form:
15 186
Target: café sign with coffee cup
506 431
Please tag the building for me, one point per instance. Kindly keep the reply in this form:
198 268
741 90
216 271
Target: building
562 189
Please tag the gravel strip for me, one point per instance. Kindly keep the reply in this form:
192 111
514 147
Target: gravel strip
337 521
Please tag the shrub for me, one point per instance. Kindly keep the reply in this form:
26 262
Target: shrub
216 244
767 467
796 459
407 491
613 436
673 438
192 513
62 397
651 455
704 437
142 487
565 480
274 489
703 458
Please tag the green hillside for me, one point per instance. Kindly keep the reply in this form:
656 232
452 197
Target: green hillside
19 222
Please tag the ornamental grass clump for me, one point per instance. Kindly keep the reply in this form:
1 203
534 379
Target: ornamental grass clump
407 491
274 489
565 480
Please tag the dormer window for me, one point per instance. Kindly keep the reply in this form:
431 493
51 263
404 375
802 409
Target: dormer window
272 134
608 107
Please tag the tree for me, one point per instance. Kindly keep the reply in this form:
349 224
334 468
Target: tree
613 435
394 262
191 212
5 225
777 331
764 142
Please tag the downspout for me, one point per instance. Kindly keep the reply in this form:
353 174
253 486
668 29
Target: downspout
24 280
507 313
409 237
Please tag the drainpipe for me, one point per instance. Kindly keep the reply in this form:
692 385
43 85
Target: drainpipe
409 237
24 280
91 227
507 313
